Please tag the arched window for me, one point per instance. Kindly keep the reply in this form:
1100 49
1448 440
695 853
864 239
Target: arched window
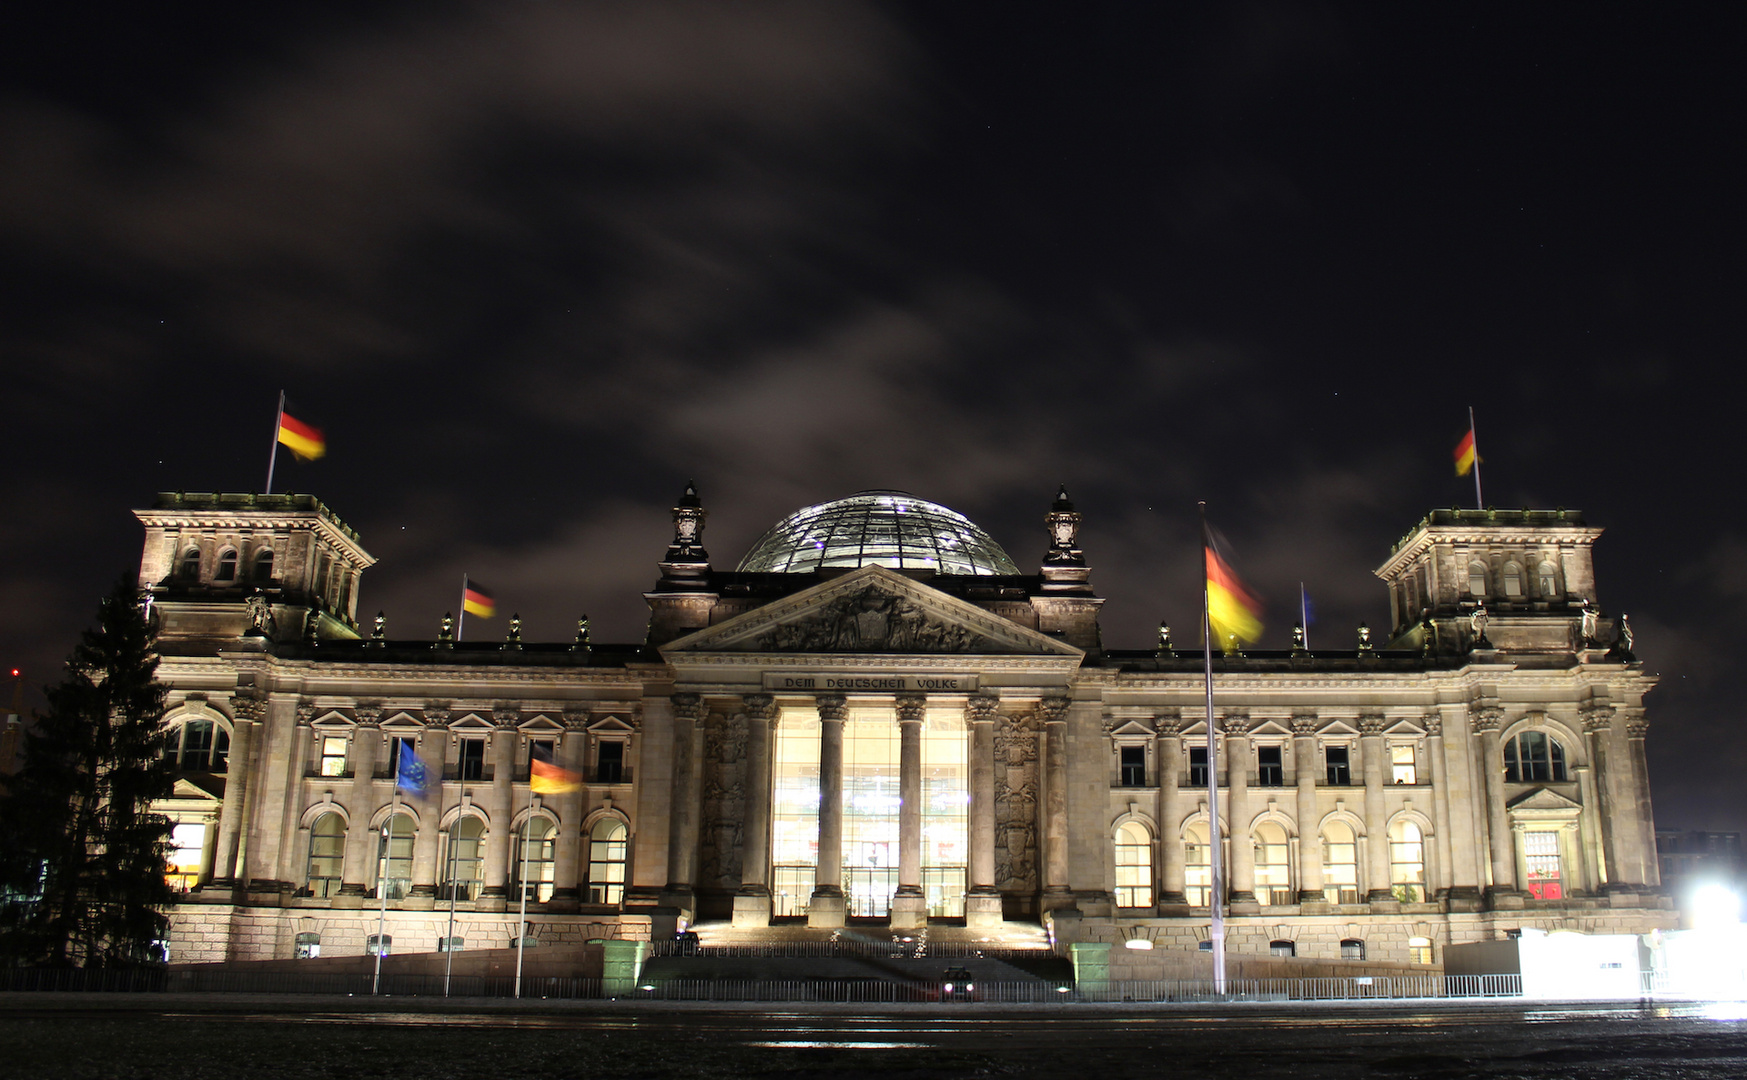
394 856
1534 757
191 564
1273 875
1419 950
534 845
1477 579
327 853
1340 864
1513 581
606 861
1134 866
1548 580
1282 947
227 565
1407 867
464 867
198 745
264 565
1352 949
1197 867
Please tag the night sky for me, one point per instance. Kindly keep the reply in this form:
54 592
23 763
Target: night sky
534 265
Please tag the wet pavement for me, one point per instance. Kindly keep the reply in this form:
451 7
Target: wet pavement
196 1036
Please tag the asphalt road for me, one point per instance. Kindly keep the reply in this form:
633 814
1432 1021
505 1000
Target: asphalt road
194 1037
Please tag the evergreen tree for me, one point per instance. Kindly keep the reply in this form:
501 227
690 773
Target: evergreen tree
85 861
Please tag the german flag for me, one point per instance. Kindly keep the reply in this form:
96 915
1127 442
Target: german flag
1231 609
1465 456
304 440
547 777
477 601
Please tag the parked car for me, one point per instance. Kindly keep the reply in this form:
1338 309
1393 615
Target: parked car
685 943
957 985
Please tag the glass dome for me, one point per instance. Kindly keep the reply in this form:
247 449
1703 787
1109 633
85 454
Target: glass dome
877 528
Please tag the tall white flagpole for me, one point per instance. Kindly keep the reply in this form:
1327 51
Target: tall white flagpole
462 621
382 883
1479 503
1216 897
522 919
1304 616
273 455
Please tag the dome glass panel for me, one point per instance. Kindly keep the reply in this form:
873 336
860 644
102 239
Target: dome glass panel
877 528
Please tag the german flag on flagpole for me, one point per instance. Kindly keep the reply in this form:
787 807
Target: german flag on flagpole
1231 610
304 440
477 601
547 777
1465 454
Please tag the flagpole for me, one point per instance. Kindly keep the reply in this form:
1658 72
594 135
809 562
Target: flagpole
449 941
273 455
1216 927
462 621
1303 617
1479 503
382 884
522 919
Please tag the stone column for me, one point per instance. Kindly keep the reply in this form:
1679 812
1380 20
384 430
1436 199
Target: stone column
682 824
1445 878
572 753
982 905
234 811
500 837
1500 844
1056 891
1376 815
1237 785
827 906
1309 821
909 905
752 903
270 856
1598 791
423 894
1168 730
357 870
1647 871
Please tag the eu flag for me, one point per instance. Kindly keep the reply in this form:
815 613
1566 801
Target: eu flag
409 776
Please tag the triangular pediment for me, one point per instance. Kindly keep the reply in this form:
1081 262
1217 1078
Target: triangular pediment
1543 799
1131 728
870 610
187 789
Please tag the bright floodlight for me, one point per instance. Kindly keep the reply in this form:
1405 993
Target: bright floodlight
1715 906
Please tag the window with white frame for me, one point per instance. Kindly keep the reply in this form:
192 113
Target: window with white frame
198 745
1340 864
1541 859
394 856
187 851
536 857
327 854
1548 579
1339 760
1352 949
1273 870
1132 765
606 861
1419 950
464 864
1270 766
1134 866
333 755
1197 866
227 565
1477 579
1534 757
1401 763
1407 870
1513 581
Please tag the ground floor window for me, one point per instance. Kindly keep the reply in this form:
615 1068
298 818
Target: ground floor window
606 862
1273 866
1134 866
394 857
464 869
1340 864
536 842
944 887
188 840
1419 950
379 946
1282 948
791 890
1407 869
1197 867
307 947
327 854
1541 854
1352 949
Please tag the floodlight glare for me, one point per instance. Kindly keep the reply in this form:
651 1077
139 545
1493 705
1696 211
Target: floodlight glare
1715 906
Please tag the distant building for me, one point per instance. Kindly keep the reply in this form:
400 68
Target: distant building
1691 858
878 716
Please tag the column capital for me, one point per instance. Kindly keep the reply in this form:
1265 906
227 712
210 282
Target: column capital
1235 725
506 719
1371 725
911 706
1486 718
1637 727
759 706
831 706
1597 716
248 708
1434 723
688 706
1167 725
1304 726
575 721
982 708
1055 708
436 714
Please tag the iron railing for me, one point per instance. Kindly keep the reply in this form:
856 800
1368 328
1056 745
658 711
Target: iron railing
873 950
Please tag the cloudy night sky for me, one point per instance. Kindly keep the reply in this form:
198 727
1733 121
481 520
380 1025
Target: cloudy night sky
534 265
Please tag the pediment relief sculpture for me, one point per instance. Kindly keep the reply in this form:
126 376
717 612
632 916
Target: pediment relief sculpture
875 619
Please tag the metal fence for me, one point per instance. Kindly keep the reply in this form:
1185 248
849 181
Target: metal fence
867 950
865 991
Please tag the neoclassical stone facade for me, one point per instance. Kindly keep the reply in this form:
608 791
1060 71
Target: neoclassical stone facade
877 718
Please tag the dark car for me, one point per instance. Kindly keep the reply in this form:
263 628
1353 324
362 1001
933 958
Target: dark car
957 985
685 943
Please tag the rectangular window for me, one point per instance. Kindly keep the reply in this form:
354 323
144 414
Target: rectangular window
1340 768
399 749
1401 763
307 947
1198 766
189 839
1269 770
1541 853
794 813
1134 766
470 765
551 749
379 946
333 755
945 811
610 763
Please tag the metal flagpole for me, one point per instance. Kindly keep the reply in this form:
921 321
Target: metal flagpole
449 942
1479 503
1303 617
273 455
1216 928
522 919
382 885
462 621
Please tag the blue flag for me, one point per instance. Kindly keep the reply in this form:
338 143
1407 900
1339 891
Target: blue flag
409 774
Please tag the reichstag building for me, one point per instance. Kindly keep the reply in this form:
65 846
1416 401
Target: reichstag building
879 719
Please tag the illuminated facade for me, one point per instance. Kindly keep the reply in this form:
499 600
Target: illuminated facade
876 718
